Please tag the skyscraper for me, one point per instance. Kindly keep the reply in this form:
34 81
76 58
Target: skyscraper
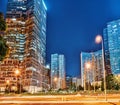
58 71
35 44
26 35
113 31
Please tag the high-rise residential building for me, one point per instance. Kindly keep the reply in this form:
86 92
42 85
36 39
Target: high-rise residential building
15 37
113 34
26 36
106 52
58 71
94 73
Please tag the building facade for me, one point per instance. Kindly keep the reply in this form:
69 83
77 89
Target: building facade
62 74
26 36
58 71
94 73
54 71
35 45
106 52
46 78
113 32
15 38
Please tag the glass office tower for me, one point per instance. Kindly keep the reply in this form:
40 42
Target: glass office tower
26 36
58 71
113 31
35 45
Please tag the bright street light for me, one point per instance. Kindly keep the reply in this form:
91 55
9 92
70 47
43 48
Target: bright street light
17 72
88 65
7 81
55 79
98 40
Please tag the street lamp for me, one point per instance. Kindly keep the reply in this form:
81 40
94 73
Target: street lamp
88 65
98 40
55 80
8 82
17 73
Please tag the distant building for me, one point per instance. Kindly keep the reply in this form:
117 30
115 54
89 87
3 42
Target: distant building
57 71
113 34
68 82
95 72
76 82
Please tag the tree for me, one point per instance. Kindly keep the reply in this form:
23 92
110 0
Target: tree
80 88
3 46
112 82
2 23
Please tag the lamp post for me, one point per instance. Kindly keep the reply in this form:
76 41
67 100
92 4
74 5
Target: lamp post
55 80
17 73
8 82
98 40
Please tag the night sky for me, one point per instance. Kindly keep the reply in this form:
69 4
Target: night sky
72 26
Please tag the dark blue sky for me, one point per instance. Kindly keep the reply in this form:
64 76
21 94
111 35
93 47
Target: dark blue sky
72 26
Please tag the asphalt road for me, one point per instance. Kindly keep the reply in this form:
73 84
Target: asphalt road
60 100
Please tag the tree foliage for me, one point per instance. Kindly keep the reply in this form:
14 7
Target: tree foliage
2 23
112 82
3 46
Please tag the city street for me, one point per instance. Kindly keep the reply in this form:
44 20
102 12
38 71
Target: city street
60 100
